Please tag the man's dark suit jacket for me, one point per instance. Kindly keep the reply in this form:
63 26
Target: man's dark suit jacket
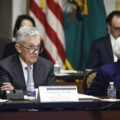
10 50
11 71
100 53
105 74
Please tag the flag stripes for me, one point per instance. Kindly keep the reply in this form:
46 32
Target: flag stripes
49 21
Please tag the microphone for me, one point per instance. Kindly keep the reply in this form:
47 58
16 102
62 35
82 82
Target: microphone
12 94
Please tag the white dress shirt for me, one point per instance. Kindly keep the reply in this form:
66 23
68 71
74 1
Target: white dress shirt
113 42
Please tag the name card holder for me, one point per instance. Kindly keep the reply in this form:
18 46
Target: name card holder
58 93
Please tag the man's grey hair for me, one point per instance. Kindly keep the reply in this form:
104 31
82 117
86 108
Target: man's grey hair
26 31
117 48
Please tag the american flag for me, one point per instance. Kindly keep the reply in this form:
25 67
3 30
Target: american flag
49 21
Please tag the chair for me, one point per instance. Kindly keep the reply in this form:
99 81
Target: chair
88 78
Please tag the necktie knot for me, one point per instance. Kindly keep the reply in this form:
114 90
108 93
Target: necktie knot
28 68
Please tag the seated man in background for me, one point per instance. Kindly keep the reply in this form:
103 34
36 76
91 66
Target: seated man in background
105 74
101 51
21 20
13 69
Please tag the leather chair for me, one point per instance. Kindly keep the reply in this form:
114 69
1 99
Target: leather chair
88 78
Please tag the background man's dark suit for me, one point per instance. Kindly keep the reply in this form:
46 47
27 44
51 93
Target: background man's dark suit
10 49
11 71
100 53
105 74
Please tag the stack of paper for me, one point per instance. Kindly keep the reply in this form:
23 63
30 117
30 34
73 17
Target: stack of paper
83 96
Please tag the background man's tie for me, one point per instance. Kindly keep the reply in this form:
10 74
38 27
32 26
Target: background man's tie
29 78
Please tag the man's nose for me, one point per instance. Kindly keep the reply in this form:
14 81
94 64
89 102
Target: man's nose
36 51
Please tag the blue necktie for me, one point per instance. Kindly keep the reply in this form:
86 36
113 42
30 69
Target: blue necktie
29 78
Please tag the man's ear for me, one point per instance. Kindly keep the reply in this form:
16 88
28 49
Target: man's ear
18 47
109 27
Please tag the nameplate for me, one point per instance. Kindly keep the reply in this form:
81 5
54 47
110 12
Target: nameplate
58 93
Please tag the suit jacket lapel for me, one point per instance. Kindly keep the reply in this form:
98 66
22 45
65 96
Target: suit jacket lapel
18 72
37 74
108 47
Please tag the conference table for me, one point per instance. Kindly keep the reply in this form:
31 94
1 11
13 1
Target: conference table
88 109
84 109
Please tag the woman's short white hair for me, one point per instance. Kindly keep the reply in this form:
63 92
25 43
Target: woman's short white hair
117 48
26 31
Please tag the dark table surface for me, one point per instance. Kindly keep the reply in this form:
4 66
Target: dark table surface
82 104
71 76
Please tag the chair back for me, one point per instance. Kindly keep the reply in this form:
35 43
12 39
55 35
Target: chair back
88 78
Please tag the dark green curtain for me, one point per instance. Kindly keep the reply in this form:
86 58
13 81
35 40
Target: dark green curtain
80 34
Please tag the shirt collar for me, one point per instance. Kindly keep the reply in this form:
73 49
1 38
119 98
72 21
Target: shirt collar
112 38
24 64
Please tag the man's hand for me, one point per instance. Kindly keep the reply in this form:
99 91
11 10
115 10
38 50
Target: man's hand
7 86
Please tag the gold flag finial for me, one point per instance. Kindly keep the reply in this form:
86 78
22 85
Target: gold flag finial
117 7
42 4
85 8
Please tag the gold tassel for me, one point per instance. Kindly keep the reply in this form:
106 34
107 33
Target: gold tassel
117 7
74 7
73 14
79 2
67 65
42 4
85 8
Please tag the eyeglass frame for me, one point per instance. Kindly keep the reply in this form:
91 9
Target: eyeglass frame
40 48
116 29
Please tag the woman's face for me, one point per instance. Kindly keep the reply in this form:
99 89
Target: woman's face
26 22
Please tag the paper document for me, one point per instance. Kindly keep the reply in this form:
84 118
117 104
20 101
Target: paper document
110 100
65 72
68 71
83 96
3 100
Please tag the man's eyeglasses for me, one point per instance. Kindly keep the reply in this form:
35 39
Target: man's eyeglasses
116 29
38 48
